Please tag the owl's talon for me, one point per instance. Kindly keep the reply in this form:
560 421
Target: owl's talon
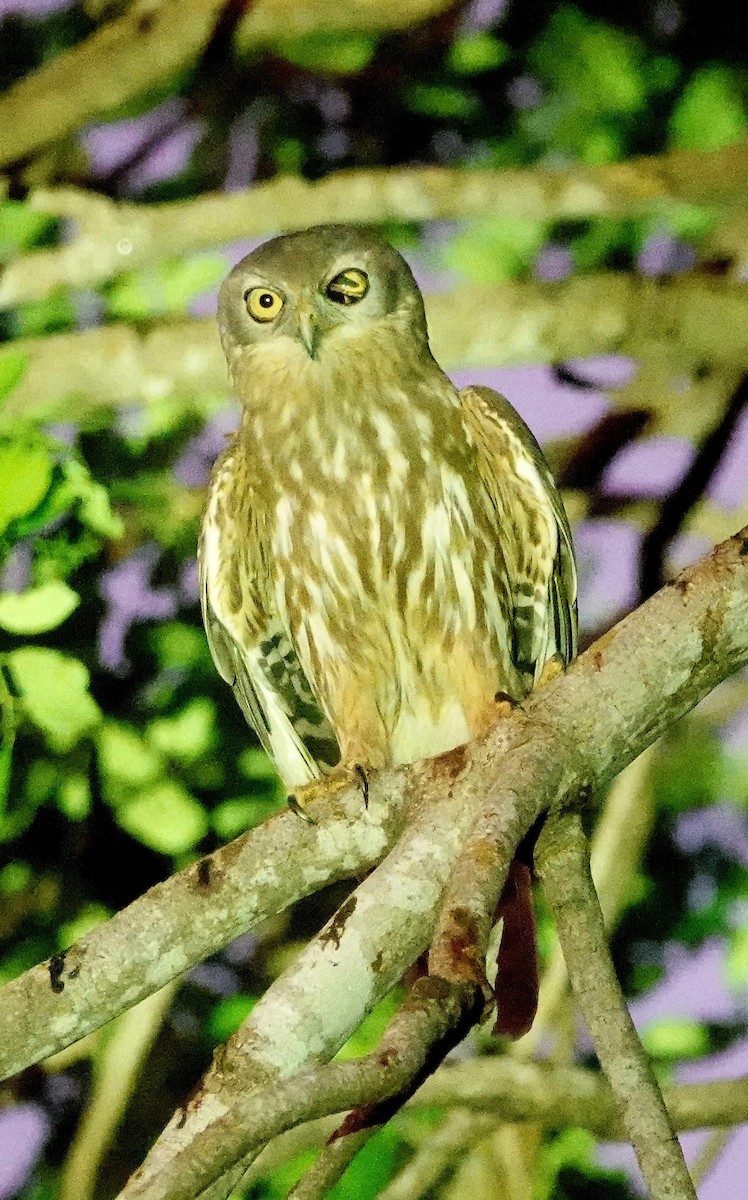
338 779
296 808
363 780
552 668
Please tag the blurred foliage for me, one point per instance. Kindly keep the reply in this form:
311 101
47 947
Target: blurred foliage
123 755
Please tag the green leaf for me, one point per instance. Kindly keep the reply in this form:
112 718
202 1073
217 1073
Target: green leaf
188 735
736 967
441 100
368 1034
74 797
25 477
54 691
710 113
675 1038
328 53
600 66
21 227
255 764
95 511
6 767
39 609
688 770
227 1015
126 760
231 817
178 645
87 919
165 817
12 367
372 1168
166 287
475 53
496 249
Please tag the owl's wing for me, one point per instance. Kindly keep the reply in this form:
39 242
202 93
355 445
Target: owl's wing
248 642
532 528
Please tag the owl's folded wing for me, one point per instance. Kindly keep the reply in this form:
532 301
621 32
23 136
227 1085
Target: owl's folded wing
532 528
250 647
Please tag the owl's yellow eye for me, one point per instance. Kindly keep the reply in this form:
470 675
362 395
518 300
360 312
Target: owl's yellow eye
348 287
263 304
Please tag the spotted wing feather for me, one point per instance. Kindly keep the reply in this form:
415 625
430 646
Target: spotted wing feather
533 530
249 644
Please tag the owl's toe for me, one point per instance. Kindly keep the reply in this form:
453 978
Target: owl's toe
343 776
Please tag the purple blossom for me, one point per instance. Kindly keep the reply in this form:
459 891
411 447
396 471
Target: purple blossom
553 263
665 255
130 598
192 468
728 487
24 1129
608 556
720 825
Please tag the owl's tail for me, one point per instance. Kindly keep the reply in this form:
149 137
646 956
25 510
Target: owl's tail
517 974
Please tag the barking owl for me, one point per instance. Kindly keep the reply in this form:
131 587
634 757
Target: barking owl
381 554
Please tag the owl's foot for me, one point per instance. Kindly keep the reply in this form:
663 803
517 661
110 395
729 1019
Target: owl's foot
554 667
337 780
505 704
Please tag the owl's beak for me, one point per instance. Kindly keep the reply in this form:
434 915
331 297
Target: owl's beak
309 330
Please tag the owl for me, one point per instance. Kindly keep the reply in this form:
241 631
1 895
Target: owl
381 554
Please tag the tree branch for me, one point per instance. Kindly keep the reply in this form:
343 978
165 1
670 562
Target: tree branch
559 1097
114 236
484 1092
574 733
181 921
579 730
696 318
562 859
145 46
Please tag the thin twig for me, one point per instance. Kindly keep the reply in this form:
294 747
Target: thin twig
710 1152
563 864
332 1162
620 836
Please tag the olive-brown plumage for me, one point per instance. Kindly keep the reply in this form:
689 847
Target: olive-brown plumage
381 553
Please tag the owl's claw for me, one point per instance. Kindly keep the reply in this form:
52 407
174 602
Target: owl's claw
296 808
552 668
363 780
338 779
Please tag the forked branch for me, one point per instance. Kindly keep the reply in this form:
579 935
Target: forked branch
576 733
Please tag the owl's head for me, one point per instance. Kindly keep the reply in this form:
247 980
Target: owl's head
325 287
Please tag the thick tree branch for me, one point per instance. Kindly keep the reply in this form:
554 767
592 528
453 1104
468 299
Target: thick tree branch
576 732
579 730
433 1010
145 47
562 859
183 920
114 236
696 319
